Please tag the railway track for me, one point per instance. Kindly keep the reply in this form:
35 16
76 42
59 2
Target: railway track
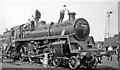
35 66
27 62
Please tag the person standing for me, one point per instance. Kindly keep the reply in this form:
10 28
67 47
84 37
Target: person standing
32 25
45 59
110 51
62 13
37 16
118 52
21 31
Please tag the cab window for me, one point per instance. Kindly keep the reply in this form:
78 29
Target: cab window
13 33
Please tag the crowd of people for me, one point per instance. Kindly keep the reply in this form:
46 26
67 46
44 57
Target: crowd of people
110 51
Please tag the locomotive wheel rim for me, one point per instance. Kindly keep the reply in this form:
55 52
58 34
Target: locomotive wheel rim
32 59
21 58
96 62
90 63
73 63
56 62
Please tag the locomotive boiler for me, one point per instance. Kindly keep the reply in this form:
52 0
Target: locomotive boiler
78 27
65 42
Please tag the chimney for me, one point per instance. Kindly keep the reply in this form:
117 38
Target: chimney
71 15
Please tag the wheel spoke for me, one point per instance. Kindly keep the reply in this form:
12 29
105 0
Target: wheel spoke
73 62
56 62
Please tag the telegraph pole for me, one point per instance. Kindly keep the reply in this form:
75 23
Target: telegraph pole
119 32
107 33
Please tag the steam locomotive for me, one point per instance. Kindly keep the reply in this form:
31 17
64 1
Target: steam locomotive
66 43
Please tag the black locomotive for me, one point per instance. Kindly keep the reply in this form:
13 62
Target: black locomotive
66 43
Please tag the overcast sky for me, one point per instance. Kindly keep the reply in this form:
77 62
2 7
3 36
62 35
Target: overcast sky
17 12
